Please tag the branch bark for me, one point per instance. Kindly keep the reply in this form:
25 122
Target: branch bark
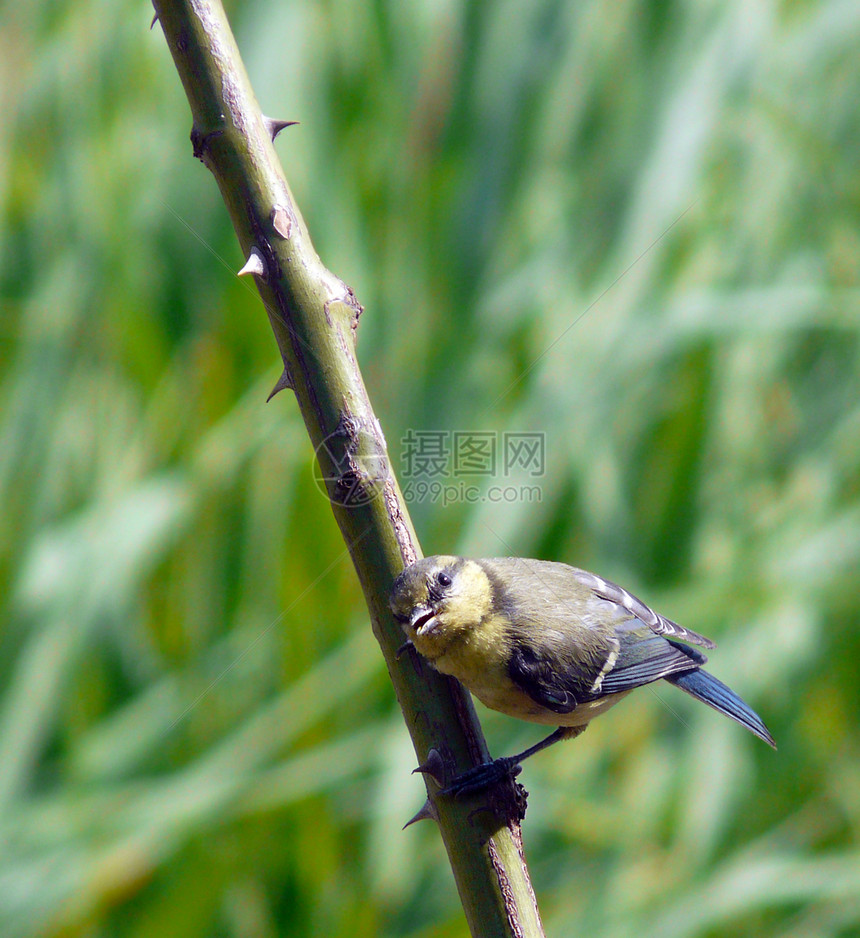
314 316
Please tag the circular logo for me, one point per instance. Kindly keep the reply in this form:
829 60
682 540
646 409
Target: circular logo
349 468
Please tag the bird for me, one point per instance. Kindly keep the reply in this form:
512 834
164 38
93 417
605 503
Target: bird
548 643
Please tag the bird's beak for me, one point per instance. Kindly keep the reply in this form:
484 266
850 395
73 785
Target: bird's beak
420 616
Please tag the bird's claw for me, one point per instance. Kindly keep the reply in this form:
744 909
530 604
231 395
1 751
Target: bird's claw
481 777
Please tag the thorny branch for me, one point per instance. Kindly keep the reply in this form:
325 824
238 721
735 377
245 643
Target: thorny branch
314 316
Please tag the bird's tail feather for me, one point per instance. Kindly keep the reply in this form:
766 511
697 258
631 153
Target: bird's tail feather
709 690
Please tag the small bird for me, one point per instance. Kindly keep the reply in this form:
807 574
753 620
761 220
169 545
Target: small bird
548 643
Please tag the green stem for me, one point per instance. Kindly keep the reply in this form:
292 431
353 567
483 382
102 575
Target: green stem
314 316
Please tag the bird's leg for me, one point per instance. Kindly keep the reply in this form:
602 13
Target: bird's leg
490 773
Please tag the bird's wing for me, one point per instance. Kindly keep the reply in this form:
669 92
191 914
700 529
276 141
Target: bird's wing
540 676
644 657
577 637
559 682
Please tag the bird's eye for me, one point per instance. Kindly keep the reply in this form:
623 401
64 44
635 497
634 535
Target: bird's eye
443 579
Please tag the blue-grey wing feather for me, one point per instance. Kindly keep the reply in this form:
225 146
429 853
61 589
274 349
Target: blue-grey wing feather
644 659
658 624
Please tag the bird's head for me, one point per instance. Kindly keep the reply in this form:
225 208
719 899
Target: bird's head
439 599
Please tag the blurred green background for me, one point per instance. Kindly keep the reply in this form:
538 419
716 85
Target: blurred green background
634 227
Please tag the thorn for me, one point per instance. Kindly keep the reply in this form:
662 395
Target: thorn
402 649
434 766
284 382
427 812
274 127
255 264
281 221
154 20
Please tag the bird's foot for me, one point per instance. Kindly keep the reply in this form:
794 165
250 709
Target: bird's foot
482 776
